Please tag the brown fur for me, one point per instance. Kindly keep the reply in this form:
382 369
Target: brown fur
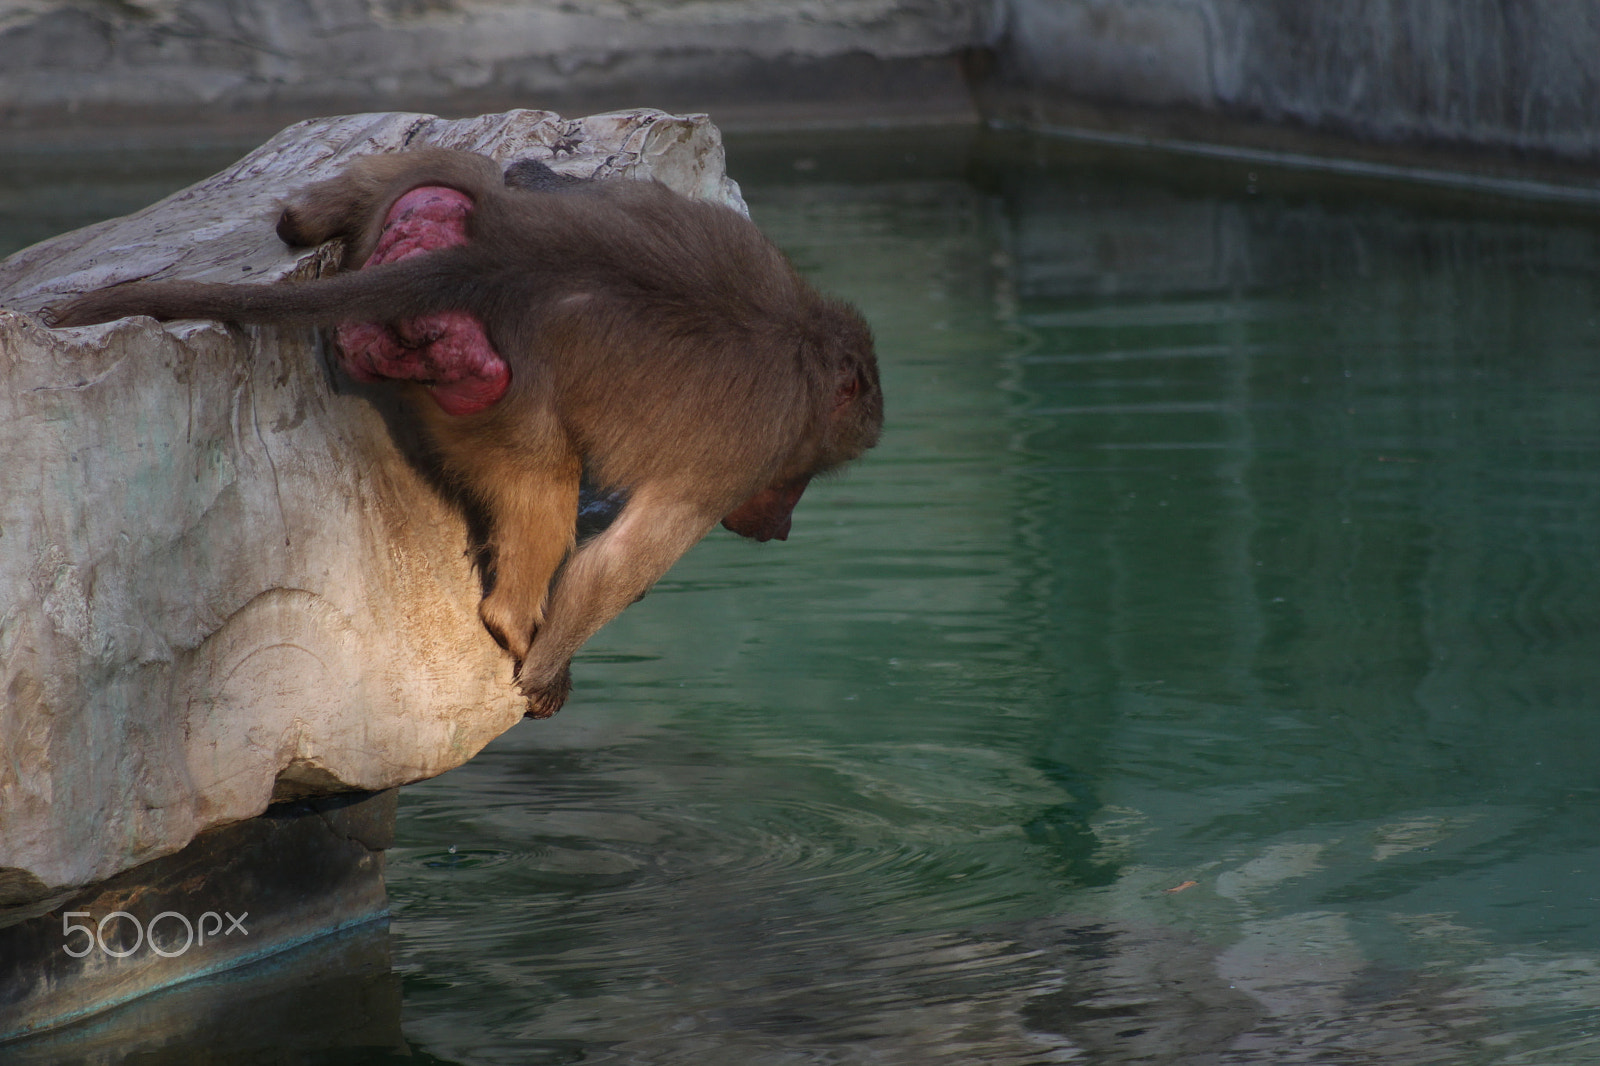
660 341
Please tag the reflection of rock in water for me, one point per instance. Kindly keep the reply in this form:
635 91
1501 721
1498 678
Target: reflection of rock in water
1153 996
1043 992
643 934
1148 997
1048 991
335 993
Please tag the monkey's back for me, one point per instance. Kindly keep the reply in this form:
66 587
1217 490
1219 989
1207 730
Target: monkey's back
643 314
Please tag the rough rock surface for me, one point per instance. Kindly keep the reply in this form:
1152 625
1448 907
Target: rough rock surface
223 581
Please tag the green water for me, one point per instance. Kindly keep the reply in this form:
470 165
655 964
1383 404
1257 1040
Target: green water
1224 531
1248 540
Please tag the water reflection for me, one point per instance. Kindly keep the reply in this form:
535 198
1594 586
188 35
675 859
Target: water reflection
1323 485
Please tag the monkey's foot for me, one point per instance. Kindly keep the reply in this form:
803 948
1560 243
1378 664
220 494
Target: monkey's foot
545 700
511 628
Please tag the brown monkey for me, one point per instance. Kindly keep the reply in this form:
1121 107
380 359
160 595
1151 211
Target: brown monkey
662 343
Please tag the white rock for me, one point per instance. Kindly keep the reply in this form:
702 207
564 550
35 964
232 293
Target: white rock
222 580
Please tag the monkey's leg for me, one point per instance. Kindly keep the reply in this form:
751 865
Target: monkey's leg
532 522
354 204
333 208
605 576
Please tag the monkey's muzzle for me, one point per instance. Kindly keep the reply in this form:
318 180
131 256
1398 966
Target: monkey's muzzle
769 513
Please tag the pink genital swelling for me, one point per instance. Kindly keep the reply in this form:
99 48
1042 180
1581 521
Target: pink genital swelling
446 351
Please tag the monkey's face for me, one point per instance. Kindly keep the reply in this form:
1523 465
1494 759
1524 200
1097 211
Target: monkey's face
857 417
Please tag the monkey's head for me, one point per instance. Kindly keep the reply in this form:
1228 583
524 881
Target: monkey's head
857 417
842 343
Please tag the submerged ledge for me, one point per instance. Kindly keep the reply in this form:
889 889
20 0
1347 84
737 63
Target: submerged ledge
235 895
1581 192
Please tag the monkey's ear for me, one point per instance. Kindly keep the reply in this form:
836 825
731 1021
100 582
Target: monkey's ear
849 386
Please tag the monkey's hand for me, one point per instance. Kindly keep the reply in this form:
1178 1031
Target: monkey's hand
546 697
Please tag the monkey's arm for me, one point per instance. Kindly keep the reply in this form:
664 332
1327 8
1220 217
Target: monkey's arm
612 571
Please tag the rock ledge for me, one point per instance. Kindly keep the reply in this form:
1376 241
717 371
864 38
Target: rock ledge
226 584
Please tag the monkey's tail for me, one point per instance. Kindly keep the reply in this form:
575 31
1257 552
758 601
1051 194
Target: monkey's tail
434 282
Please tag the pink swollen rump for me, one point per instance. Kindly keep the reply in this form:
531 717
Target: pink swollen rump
447 351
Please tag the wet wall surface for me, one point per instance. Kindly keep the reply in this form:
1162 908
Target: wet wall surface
1509 82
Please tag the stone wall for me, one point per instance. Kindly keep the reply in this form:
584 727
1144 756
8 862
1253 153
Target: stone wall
189 60
1503 78
1466 84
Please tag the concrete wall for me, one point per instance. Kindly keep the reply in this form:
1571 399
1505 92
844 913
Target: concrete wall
1514 79
197 60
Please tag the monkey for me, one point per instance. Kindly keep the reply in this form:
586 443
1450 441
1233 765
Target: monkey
659 345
